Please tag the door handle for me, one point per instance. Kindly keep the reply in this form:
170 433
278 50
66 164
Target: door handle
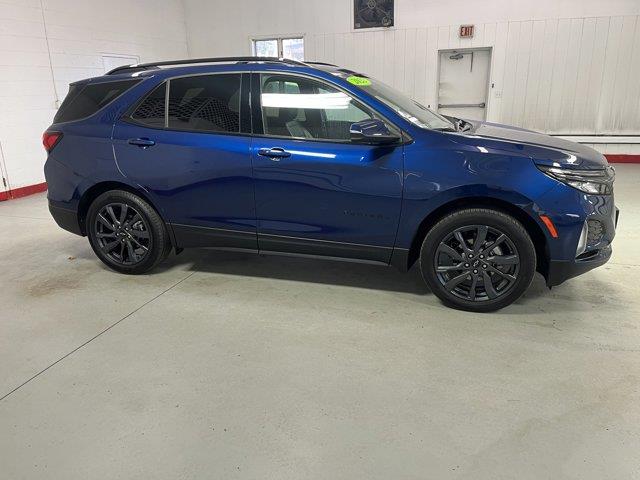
141 142
275 153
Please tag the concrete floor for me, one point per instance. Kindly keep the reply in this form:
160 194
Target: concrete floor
236 366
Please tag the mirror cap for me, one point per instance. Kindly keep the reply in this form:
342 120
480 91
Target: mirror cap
373 131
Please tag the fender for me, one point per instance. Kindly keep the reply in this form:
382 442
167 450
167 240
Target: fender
432 210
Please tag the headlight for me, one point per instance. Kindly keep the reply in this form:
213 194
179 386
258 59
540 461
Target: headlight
594 182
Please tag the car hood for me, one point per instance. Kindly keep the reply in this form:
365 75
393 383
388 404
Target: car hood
543 149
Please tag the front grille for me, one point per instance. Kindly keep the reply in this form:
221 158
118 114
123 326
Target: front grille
595 231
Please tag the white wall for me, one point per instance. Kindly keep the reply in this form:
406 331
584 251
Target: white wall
559 66
46 44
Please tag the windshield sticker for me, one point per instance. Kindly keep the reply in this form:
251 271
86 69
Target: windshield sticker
359 81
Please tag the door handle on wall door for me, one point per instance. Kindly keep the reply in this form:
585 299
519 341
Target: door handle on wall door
462 105
141 142
275 153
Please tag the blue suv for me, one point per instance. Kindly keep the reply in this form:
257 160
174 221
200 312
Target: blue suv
278 156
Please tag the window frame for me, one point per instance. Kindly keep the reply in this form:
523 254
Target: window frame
256 108
244 101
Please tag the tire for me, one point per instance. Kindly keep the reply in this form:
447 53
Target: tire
126 233
471 275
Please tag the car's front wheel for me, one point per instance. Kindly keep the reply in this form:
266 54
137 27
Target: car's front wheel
478 259
126 233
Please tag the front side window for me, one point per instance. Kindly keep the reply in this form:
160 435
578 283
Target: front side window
301 107
404 106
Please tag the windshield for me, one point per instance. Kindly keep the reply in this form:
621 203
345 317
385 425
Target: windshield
403 105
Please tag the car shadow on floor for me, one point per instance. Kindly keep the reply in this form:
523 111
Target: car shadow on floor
311 270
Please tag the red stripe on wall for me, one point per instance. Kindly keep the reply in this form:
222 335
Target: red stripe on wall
620 158
23 191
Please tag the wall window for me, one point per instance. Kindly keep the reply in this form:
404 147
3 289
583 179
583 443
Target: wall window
292 48
300 107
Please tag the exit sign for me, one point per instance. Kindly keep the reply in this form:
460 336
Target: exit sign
466 31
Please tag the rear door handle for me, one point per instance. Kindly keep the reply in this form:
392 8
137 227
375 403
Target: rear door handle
275 153
141 142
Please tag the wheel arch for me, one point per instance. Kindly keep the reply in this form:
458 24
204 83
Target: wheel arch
98 189
528 222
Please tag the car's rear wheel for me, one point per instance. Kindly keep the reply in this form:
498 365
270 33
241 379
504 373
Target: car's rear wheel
126 233
478 259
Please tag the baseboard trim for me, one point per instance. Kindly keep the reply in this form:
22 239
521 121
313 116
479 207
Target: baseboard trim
23 191
622 158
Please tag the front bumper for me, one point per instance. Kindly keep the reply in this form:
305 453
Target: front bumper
65 218
577 248
561 270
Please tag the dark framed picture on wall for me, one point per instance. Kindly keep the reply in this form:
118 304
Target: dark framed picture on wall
373 14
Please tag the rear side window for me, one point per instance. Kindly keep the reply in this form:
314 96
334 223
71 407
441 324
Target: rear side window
85 100
151 110
207 103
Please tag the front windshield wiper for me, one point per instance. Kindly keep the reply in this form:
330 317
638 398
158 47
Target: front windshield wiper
464 126
445 129
459 124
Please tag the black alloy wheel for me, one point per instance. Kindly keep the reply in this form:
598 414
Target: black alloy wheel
122 233
126 233
477 263
478 259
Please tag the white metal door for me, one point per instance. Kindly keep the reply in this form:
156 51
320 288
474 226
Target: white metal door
464 82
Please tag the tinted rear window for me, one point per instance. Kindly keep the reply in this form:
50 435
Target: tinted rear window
85 100
208 103
152 108
199 103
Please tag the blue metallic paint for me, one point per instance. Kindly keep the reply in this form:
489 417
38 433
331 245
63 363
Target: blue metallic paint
194 178
329 192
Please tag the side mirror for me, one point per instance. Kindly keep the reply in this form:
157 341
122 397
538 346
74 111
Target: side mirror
372 132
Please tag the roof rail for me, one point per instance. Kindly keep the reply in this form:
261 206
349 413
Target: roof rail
321 63
153 65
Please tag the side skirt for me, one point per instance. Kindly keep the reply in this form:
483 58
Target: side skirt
323 248
190 236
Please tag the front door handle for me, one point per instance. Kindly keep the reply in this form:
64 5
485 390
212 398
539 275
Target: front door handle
275 153
141 142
